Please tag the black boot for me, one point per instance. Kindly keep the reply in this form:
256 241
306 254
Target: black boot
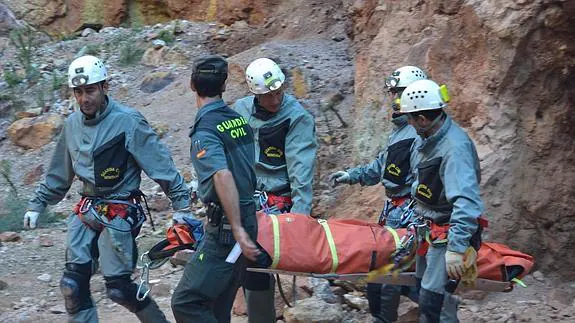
430 305
151 314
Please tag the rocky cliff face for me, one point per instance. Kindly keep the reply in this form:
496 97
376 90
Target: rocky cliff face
62 16
509 66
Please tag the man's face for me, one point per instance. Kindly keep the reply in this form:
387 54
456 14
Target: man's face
395 96
419 122
91 98
271 101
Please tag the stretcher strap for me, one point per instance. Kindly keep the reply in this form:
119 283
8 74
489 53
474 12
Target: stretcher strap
331 242
519 282
395 237
276 229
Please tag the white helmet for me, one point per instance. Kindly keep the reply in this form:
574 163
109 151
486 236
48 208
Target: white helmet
403 76
423 95
86 70
264 75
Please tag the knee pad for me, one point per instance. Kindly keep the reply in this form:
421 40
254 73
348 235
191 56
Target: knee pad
430 306
75 287
122 290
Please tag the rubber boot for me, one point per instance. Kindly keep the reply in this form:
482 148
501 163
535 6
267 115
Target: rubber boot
151 314
430 305
261 305
449 312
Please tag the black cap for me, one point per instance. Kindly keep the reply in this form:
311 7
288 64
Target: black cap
210 64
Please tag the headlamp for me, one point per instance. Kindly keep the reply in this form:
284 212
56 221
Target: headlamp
80 80
391 82
271 82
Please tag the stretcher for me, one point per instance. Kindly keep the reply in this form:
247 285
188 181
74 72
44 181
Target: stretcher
346 250
349 250
403 279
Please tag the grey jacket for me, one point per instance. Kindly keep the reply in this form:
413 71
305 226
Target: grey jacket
392 165
447 180
107 154
286 149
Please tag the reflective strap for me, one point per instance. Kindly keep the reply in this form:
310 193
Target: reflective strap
395 237
332 248
407 265
519 282
276 229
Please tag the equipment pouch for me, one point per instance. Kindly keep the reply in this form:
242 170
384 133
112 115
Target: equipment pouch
214 214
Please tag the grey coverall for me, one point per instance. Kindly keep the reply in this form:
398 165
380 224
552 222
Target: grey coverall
221 139
446 189
286 148
392 169
108 154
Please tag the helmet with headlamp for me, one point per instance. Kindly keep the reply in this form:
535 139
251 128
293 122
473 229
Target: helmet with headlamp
86 70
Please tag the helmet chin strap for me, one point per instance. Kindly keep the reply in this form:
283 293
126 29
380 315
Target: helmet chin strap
422 131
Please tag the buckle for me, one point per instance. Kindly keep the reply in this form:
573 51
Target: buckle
85 205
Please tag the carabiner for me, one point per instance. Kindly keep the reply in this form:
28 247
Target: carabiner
144 283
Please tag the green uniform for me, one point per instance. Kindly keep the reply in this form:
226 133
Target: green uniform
221 139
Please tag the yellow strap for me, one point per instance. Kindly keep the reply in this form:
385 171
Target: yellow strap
276 229
519 282
395 237
332 248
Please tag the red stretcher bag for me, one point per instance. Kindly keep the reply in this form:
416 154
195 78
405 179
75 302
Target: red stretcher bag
300 243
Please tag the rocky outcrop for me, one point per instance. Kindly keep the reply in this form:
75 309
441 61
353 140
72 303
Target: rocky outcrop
156 81
41 12
314 310
32 133
509 66
8 21
66 16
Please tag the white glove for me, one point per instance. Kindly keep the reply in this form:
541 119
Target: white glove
339 177
178 216
454 263
30 219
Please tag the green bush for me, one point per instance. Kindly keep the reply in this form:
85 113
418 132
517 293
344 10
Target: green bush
12 215
92 49
24 41
40 97
61 36
58 81
130 54
11 77
14 206
137 26
13 96
167 36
